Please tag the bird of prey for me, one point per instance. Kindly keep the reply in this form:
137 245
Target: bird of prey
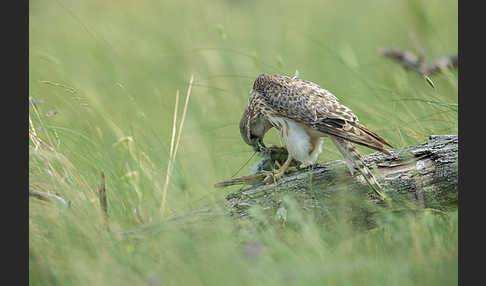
304 113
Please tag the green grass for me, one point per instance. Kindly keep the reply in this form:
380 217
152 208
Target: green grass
111 70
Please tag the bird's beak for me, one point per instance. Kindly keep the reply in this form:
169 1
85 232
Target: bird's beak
260 146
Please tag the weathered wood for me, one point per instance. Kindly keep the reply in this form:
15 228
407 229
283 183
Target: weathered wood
426 173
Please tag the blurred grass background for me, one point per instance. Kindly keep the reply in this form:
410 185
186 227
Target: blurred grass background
104 75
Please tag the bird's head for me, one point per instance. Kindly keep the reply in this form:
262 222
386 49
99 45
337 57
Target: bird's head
253 130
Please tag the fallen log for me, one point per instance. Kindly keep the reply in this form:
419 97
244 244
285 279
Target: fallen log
425 173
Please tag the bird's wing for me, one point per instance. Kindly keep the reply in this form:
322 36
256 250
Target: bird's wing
310 104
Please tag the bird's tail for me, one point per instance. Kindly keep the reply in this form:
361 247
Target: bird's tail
354 161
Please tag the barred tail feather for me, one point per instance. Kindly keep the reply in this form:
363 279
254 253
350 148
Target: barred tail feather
354 161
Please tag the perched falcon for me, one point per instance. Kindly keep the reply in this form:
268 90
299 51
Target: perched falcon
304 113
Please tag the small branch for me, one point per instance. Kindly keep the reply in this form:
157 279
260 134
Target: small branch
169 164
46 196
432 68
410 61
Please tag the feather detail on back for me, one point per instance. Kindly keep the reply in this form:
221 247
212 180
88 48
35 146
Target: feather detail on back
315 107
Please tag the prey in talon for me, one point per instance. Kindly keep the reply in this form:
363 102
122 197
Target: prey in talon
274 157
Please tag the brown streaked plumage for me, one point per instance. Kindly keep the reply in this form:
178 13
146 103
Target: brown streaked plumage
304 113
253 135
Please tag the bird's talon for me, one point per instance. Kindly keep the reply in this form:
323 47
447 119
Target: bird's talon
268 179
292 169
271 176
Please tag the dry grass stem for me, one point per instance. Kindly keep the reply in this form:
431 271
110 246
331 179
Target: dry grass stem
102 196
169 164
174 126
183 115
173 149
35 138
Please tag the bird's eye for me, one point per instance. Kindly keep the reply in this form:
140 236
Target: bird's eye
253 137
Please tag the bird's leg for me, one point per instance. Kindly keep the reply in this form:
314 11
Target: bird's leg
275 175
